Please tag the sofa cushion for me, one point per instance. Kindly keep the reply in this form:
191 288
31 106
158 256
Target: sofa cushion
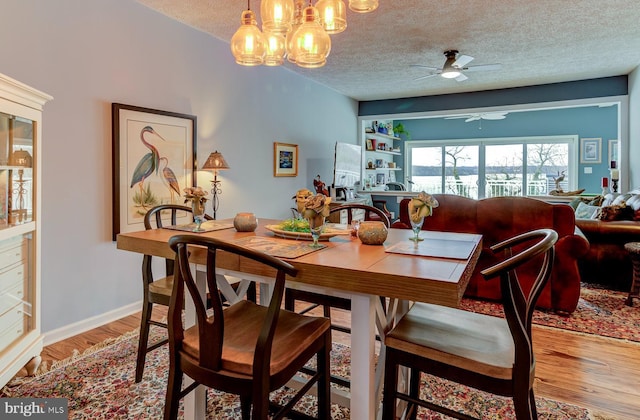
615 212
585 211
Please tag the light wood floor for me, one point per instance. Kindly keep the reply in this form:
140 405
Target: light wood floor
598 373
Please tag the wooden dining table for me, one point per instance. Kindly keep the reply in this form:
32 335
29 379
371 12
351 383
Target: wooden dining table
435 270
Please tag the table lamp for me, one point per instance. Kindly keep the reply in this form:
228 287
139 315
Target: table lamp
214 163
23 159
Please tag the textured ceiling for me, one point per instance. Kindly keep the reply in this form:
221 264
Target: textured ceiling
535 41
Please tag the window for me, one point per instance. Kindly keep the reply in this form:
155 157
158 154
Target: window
479 168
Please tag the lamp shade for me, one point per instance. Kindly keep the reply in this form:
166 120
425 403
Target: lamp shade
215 162
248 44
311 42
21 158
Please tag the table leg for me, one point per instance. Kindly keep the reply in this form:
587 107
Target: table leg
363 332
195 403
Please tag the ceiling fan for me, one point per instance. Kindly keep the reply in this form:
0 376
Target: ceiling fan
497 115
455 66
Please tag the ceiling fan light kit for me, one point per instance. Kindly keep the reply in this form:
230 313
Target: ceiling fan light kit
290 29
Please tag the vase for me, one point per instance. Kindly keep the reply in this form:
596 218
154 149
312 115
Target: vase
316 222
197 207
372 232
245 222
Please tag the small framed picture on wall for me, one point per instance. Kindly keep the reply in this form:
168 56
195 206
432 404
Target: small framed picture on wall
591 150
285 159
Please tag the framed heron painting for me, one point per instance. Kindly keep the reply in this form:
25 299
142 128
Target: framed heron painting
154 160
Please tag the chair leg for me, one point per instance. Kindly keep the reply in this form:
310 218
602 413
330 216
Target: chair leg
289 302
524 404
245 406
147 309
414 392
260 403
172 399
390 387
324 382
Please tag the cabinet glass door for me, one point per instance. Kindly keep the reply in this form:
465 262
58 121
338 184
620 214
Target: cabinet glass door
16 170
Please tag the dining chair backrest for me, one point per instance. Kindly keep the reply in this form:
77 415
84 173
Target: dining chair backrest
368 211
519 307
156 217
245 349
211 328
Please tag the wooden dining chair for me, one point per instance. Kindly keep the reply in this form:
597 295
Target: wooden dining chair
245 349
158 290
327 302
489 353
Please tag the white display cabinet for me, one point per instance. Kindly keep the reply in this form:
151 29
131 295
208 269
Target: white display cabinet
20 210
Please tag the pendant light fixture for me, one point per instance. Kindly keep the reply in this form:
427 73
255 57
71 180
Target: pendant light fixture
248 44
363 6
312 44
333 15
276 16
290 29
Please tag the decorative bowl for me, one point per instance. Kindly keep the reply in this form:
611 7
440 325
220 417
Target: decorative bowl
245 222
372 233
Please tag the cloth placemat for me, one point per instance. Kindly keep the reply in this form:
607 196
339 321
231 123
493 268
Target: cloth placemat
440 248
208 226
277 248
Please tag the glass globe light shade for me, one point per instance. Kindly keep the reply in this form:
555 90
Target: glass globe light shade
276 16
333 15
275 49
363 6
248 44
312 44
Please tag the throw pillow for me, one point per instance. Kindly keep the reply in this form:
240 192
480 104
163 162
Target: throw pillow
585 211
611 213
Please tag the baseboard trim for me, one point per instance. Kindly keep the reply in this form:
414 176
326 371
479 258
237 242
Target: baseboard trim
85 325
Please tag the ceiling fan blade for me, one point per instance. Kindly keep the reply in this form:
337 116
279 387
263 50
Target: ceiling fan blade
457 117
484 67
474 118
425 77
462 60
424 67
461 78
494 116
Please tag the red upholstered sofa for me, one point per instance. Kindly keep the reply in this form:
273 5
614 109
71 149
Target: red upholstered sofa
500 218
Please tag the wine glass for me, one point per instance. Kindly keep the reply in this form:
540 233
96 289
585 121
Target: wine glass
416 225
197 207
316 223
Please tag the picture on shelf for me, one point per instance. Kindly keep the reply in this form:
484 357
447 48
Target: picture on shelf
369 144
380 179
379 163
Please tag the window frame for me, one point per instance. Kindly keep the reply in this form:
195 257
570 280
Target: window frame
570 140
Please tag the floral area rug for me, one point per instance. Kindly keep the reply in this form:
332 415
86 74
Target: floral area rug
600 311
100 385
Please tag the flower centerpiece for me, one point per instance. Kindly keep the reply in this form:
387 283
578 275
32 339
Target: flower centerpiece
315 209
196 195
300 197
420 207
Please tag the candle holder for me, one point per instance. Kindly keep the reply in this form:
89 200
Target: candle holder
614 185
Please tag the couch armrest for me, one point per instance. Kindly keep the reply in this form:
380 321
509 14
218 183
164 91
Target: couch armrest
574 246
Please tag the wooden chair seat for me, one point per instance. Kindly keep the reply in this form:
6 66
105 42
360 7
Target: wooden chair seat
471 341
162 286
242 324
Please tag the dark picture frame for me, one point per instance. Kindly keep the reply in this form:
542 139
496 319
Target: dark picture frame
285 159
153 160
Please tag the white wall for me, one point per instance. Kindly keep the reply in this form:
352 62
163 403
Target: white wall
88 54
634 128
